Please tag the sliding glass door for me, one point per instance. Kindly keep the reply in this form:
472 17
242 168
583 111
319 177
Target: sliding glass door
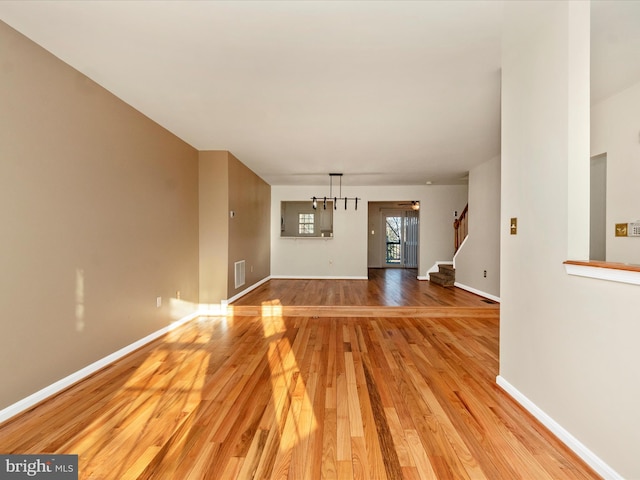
401 239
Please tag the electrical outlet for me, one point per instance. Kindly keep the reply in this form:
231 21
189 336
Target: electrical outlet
158 302
178 294
485 274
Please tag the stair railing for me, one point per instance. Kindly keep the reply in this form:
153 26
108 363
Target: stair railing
461 227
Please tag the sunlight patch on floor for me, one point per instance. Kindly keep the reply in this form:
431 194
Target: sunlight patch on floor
292 400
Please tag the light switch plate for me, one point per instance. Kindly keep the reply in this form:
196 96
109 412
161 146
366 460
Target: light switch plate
621 229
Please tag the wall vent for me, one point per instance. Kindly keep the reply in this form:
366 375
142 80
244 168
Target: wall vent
239 269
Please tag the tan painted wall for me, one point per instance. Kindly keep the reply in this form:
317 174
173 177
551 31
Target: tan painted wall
228 185
99 217
249 229
214 225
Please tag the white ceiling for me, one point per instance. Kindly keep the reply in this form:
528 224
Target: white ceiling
389 93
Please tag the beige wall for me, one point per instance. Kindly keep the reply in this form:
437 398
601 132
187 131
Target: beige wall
214 225
227 185
481 251
249 229
568 344
99 217
614 131
345 255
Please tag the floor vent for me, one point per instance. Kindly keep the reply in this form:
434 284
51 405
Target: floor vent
489 301
239 268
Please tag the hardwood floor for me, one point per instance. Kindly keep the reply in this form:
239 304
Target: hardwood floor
385 287
303 397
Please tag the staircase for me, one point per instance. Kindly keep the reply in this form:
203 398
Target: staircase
445 276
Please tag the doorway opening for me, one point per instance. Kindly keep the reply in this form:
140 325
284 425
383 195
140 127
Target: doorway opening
394 235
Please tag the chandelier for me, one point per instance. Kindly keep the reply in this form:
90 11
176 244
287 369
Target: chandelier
331 197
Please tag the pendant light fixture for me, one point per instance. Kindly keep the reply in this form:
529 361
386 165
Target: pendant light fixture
314 200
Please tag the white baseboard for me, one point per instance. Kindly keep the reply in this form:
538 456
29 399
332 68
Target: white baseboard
217 309
247 290
294 277
477 292
213 309
565 437
39 396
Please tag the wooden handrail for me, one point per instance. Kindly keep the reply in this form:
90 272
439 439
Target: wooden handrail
460 228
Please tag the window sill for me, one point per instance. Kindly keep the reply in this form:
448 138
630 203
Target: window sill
614 272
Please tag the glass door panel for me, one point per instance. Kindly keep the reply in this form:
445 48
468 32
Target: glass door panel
411 237
401 239
394 240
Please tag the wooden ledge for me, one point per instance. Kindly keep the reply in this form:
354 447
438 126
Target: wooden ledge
612 271
611 265
491 310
